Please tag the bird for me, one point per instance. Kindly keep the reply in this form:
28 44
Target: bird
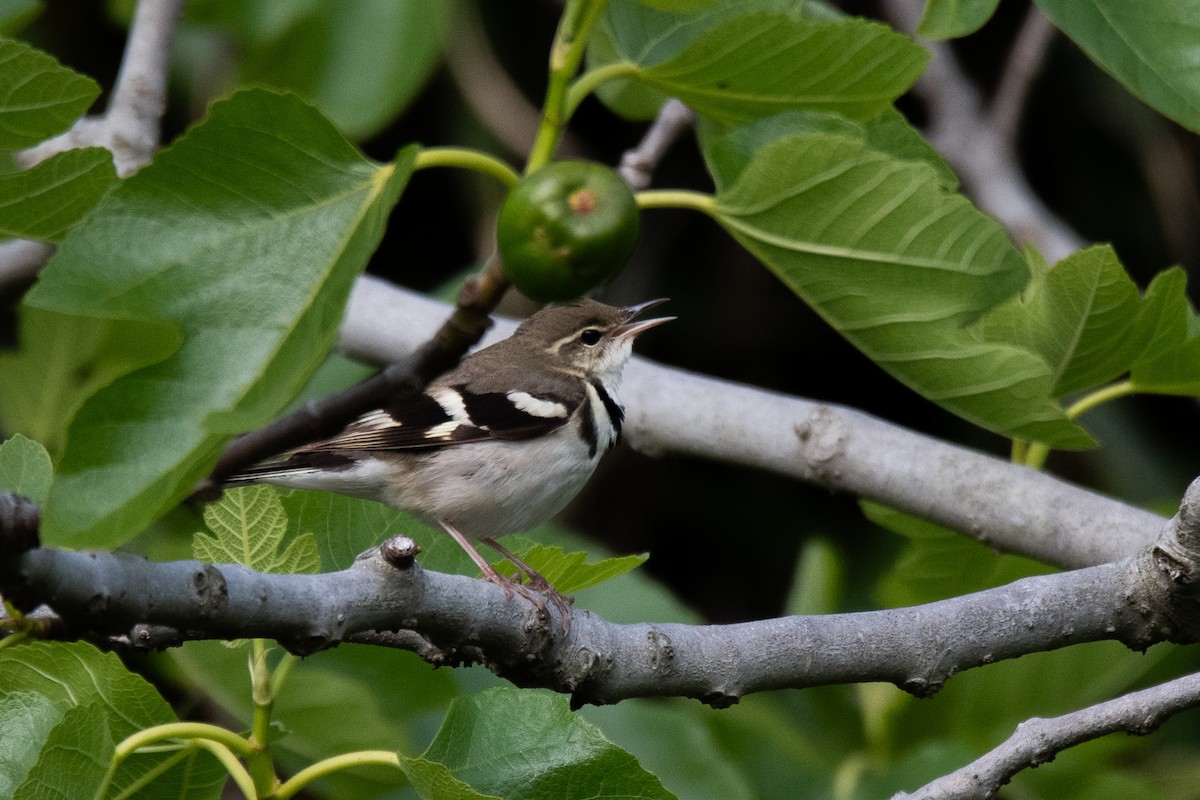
497 445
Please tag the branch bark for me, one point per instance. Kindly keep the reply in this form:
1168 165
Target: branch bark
1144 599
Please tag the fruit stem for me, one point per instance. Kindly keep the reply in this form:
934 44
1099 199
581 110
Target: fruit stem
565 56
676 198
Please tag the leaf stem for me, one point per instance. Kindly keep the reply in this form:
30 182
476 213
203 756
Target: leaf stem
239 773
676 198
586 83
566 53
1102 395
182 730
328 766
1036 454
466 158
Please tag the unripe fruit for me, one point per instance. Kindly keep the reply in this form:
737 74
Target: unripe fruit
566 228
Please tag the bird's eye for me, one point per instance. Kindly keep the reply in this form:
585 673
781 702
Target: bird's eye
590 337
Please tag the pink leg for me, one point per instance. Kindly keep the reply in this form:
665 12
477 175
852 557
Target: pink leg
489 573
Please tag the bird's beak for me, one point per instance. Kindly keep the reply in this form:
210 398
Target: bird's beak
632 329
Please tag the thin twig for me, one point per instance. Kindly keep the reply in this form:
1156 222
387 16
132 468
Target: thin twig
1037 741
638 164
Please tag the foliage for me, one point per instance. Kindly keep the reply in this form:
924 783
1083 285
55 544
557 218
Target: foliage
194 300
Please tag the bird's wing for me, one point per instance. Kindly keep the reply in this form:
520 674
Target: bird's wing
456 413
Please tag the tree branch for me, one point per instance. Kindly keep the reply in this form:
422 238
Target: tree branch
1009 507
1037 740
129 128
1146 598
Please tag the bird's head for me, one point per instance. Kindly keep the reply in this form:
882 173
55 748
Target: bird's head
588 337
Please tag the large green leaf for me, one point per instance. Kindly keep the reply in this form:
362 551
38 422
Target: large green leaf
361 63
64 359
245 236
1149 46
63 707
520 744
727 151
902 268
44 201
758 64
38 96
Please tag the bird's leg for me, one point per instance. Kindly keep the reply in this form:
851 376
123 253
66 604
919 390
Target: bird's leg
537 582
489 572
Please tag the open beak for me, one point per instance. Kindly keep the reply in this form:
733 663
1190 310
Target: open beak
632 329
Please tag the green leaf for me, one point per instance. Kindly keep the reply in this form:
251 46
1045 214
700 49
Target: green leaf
678 5
936 563
345 526
521 744
16 14
246 236
64 359
727 151
249 526
360 63
756 65
948 19
86 701
567 572
1170 361
38 96
44 202
434 781
636 33
1148 46
25 468
902 269
1079 317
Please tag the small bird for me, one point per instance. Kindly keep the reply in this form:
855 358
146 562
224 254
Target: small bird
498 445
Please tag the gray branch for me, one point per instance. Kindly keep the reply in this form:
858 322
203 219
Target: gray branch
386 597
129 128
1009 507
